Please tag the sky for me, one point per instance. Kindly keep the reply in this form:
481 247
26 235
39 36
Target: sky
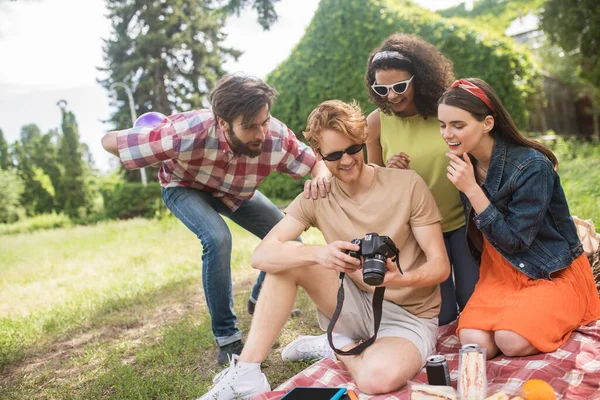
51 50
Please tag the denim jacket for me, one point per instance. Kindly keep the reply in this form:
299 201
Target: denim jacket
528 219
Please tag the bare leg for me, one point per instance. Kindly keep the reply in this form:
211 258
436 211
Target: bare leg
385 366
276 301
512 344
484 339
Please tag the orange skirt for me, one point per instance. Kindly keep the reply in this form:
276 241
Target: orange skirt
545 312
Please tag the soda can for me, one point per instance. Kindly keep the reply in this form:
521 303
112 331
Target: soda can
469 346
437 370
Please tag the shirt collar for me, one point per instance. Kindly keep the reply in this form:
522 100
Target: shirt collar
496 168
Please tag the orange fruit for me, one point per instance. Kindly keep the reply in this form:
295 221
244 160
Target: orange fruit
537 389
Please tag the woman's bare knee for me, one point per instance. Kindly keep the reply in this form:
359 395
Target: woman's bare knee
483 339
512 344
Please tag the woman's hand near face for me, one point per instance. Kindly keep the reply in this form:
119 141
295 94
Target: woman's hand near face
461 173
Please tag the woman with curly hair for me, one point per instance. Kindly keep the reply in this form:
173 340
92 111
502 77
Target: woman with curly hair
405 78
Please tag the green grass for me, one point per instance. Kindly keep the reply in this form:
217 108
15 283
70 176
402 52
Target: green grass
38 222
116 311
579 170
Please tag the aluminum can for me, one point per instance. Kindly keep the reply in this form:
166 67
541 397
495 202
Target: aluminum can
437 370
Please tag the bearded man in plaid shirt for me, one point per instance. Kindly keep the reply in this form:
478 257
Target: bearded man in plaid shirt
212 162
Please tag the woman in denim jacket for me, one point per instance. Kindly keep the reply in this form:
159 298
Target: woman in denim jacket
535 285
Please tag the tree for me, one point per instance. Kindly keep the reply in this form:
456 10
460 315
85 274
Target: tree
38 196
169 53
5 157
11 189
265 9
72 195
574 25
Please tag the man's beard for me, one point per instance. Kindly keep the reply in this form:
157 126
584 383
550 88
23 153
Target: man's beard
242 148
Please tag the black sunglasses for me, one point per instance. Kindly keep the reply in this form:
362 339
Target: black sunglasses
336 155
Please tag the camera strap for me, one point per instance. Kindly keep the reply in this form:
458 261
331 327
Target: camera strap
377 304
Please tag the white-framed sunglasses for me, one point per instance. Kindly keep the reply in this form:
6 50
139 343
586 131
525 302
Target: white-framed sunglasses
398 87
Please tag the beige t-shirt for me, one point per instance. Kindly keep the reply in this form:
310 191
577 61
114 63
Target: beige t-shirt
396 201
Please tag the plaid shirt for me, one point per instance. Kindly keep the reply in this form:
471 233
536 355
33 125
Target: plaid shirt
194 153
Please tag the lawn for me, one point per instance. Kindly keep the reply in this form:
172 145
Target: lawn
117 311
579 170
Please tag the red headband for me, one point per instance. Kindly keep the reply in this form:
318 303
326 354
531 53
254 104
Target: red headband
475 91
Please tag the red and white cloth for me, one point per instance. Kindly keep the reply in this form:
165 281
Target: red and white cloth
573 370
194 153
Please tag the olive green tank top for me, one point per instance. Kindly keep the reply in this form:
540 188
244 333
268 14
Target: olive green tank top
420 139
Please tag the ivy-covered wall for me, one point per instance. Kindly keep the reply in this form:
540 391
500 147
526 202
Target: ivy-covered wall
496 15
330 60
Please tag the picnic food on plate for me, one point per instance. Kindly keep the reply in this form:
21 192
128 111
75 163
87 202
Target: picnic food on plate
430 392
537 389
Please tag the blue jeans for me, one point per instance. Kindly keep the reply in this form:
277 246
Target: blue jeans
199 211
459 286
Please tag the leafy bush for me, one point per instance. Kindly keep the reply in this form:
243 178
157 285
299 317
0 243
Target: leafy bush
493 14
11 189
38 222
281 188
330 60
579 171
128 200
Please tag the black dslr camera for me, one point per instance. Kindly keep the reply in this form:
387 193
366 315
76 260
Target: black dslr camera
375 250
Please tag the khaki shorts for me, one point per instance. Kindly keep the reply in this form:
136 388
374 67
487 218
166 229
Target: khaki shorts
356 321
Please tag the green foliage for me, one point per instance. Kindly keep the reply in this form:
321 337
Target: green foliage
35 156
72 195
575 26
329 61
129 200
169 53
281 188
495 15
5 157
579 170
264 8
36 223
11 189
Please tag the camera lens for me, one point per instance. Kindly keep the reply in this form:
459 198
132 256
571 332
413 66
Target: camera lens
374 270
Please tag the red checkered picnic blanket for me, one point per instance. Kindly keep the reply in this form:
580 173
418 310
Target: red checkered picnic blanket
573 370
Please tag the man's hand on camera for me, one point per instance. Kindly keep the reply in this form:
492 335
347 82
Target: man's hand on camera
333 256
392 275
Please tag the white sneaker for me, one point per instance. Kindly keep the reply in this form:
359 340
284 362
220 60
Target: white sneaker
239 382
308 348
